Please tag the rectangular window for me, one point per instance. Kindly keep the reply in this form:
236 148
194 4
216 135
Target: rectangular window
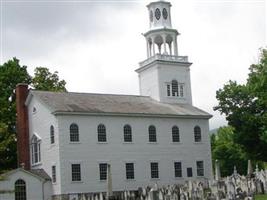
168 90
54 176
39 152
129 170
103 171
76 172
189 172
36 151
177 169
154 170
200 168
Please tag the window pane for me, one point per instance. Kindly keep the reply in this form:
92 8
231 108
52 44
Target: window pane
175 134
35 150
74 133
52 135
178 169
154 170
197 134
168 90
39 152
54 177
200 168
129 170
101 133
20 190
76 172
175 88
152 134
103 171
127 133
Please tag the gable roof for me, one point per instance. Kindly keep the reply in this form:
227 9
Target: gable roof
110 104
38 173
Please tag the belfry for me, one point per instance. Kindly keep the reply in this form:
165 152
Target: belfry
164 75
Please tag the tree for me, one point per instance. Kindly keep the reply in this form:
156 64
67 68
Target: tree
245 107
11 73
45 80
7 148
228 153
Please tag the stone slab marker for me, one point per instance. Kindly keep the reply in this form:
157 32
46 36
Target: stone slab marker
217 171
109 181
250 169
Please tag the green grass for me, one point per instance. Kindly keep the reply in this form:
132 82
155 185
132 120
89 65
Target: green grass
261 197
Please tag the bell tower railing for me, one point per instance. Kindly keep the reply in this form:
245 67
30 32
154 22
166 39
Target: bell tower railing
162 57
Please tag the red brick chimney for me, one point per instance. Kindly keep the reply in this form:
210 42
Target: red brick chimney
23 148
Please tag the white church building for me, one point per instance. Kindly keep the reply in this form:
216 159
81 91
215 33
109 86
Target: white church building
155 137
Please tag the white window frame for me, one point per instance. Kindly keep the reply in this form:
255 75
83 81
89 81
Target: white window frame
35 149
127 134
197 134
80 173
52 134
152 162
152 134
20 192
200 171
101 173
176 170
101 133
180 93
131 172
74 135
176 135
54 173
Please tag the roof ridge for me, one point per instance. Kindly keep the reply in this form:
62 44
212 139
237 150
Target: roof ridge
91 93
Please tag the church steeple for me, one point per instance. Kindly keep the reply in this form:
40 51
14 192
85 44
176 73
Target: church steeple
161 37
164 75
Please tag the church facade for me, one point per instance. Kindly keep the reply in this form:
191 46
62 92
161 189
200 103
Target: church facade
156 137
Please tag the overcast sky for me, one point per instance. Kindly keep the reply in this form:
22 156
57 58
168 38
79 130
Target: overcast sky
96 45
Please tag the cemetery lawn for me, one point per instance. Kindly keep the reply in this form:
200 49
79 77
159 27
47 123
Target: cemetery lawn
261 197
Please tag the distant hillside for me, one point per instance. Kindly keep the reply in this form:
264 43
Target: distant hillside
213 131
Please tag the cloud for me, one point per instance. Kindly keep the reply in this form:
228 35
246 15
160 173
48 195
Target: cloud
33 28
96 45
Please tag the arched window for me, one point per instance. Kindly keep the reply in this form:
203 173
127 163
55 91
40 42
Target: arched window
20 190
36 149
52 134
101 133
175 88
127 130
175 134
152 134
197 134
74 133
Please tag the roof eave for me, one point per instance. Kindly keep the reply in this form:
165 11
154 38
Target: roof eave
5 175
151 64
133 115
